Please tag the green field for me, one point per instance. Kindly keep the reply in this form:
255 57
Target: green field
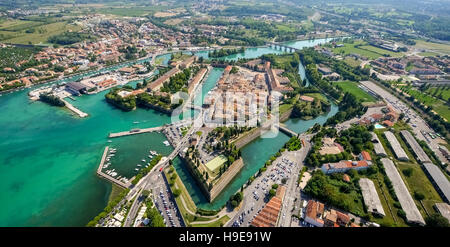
352 87
215 163
428 54
365 50
429 98
429 46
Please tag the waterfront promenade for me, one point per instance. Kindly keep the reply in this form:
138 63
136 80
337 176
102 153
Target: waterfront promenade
134 132
106 176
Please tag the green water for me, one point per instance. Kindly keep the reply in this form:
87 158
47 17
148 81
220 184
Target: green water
48 157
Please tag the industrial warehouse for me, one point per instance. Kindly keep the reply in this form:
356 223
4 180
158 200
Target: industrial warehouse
420 154
395 145
404 197
370 195
379 150
439 181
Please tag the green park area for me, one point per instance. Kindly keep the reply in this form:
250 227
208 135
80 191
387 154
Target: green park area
352 87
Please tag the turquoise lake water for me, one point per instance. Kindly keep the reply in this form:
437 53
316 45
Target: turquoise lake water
48 157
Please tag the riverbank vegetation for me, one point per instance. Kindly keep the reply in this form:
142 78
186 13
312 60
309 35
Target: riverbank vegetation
225 52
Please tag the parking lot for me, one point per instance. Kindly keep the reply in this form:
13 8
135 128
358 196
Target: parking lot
256 195
165 203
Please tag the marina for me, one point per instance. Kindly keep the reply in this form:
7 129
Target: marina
110 174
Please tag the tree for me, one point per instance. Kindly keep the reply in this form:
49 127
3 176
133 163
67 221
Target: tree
419 196
176 192
272 193
437 220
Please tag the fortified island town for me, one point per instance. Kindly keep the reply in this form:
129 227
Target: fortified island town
222 114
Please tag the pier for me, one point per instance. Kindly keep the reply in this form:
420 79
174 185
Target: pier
74 109
134 132
106 176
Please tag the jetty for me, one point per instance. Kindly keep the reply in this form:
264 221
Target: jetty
74 109
134 132
108 177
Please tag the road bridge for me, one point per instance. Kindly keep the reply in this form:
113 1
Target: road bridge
279 46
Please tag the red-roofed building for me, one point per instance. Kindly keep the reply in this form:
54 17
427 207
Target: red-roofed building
388 123
314 211
345 165
268 217
365 156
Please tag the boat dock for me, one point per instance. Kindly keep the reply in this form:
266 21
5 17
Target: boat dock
134 132
108 177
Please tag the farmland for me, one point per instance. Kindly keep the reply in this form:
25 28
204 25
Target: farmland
32 32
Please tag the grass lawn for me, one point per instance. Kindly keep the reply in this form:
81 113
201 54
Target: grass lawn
428 54
319 96
436 91
218 223
352 87
442 110
284 108
352 61
115 191
391 218
381 51
419 182
215 163
428 99
363 49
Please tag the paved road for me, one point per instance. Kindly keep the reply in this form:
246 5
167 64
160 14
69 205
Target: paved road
293 191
